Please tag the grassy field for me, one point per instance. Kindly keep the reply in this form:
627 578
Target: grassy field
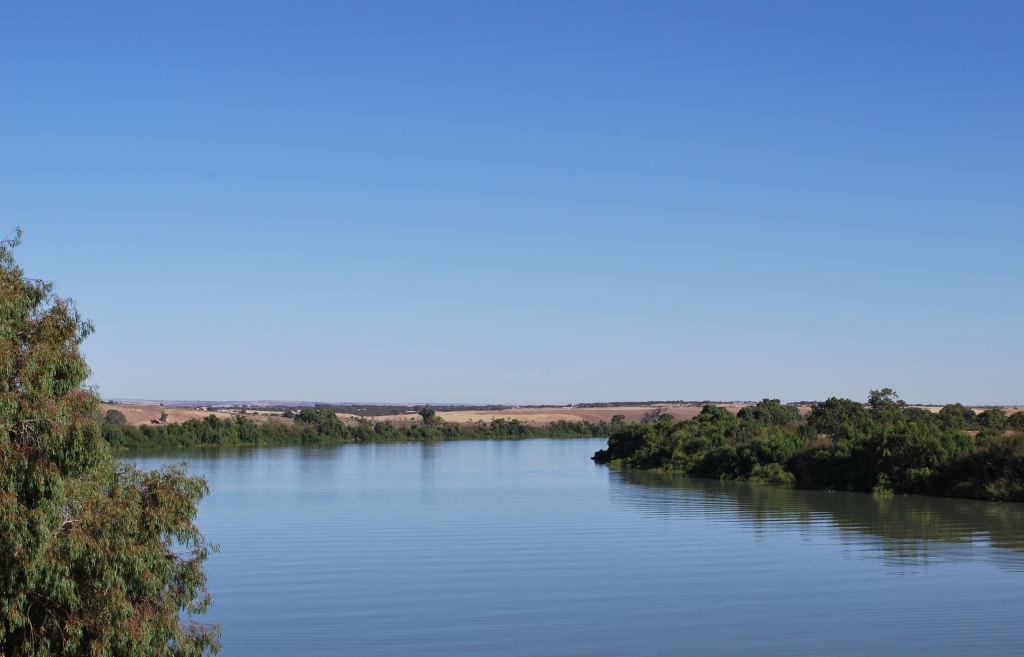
150 414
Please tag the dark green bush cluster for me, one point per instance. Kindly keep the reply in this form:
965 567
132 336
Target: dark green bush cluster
312 426
211 430
883 447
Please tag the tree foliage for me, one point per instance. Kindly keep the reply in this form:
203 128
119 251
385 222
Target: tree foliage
835 413
96 557
430 416
883 447
993 418
956 416
321 426
770 412
115 417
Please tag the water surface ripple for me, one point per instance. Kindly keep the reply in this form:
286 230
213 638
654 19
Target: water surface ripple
529 548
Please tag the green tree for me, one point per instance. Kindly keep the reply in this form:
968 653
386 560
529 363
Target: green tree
96 557
770 412
324 421
834 413
430 417
886 406
993 418
115 417
713 413
956 416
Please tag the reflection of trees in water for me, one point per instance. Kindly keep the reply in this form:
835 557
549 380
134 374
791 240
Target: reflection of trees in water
907 528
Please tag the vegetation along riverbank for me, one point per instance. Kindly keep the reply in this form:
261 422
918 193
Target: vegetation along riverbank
883 447
320 426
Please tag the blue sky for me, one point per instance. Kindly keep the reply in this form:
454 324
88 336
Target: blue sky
525 202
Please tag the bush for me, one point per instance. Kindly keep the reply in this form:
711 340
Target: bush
115 417
992 472
993 418
834 413
770 412
325 422
887 448
956 416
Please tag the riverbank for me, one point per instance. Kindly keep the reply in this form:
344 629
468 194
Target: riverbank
312 426
885 447
152 412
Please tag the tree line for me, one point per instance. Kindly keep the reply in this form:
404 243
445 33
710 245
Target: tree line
312 426
884 446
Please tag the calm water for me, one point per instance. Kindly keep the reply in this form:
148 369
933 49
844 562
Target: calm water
528 548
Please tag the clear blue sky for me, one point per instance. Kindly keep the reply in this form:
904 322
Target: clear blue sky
525 203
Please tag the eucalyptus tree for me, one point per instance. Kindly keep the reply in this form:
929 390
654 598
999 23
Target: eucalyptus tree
96 557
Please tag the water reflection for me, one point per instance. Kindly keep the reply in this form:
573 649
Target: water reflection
907 529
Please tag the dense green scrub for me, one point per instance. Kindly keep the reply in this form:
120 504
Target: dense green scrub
883 447
322 426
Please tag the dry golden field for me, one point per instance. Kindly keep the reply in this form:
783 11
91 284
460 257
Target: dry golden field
538 416
150 413
1009 410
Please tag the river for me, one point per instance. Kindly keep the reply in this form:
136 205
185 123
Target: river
529 548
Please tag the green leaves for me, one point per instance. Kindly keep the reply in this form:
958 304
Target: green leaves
829 416
96 558
770 412
325 422
884 447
